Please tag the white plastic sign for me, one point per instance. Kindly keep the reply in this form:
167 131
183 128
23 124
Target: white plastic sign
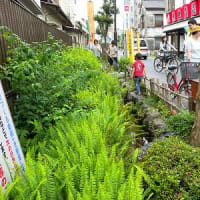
11 155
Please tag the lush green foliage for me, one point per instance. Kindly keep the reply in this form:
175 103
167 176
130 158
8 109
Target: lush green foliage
159 105
45 78
175 169
104 18
181 122
81 123
125 64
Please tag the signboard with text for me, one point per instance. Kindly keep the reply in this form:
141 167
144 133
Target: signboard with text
179 14
129 38
186 11
194 8
11 156
126 8
174 16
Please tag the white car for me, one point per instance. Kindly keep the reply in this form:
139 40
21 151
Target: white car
143 48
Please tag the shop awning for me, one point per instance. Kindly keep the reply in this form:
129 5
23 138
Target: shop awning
178 25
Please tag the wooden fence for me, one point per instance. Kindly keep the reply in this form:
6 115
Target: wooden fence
28 27
172 98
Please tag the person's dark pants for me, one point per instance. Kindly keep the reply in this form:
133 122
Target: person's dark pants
114 60
138 80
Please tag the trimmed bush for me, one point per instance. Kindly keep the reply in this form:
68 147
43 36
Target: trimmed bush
174 167
181 122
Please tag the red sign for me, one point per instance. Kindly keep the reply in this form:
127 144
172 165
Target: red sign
126 8
194 6
179 14
186 11
169 17
174 16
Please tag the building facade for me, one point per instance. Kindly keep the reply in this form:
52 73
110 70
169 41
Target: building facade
176 18
33 6
150 22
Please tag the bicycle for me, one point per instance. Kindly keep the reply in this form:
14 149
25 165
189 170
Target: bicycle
189 71
172 61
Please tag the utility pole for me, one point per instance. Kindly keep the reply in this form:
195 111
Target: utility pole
115 20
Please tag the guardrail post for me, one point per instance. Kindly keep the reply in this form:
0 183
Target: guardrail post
152 85
178 100
158 86
165 91
191 104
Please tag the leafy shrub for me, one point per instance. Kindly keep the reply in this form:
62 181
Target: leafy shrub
45 78
124 63
181 122
78 113
174 168
80 158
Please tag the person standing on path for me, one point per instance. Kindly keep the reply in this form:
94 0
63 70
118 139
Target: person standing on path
192 45
192 23
138 72
113 53
96 48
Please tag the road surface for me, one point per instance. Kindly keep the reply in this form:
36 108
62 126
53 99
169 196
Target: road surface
151 73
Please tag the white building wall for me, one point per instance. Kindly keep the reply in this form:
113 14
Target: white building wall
68 7
179 3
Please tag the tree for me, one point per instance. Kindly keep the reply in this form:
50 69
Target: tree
105 18
195 135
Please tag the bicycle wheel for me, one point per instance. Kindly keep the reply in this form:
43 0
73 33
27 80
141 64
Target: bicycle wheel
186 90
171 81
158 64
173 62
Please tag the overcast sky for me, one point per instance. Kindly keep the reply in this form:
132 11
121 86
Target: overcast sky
82 10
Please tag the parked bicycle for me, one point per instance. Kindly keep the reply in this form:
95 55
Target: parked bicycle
189 71
172 61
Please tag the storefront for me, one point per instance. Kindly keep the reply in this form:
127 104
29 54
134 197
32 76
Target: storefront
177 24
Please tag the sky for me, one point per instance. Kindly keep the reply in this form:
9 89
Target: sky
82 10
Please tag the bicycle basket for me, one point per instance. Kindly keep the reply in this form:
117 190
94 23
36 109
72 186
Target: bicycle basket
189 70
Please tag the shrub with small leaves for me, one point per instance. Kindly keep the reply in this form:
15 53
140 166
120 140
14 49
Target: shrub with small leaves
174 167
181 122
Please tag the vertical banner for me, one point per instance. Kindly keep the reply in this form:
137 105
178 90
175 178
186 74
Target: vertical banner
11 156
174 16
179 14
187 11
194 7
129 38
138 42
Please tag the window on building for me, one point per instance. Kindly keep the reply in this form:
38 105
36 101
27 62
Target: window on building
171 5
158 20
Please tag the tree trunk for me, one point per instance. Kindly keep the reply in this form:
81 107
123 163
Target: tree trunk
105 40
195 134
